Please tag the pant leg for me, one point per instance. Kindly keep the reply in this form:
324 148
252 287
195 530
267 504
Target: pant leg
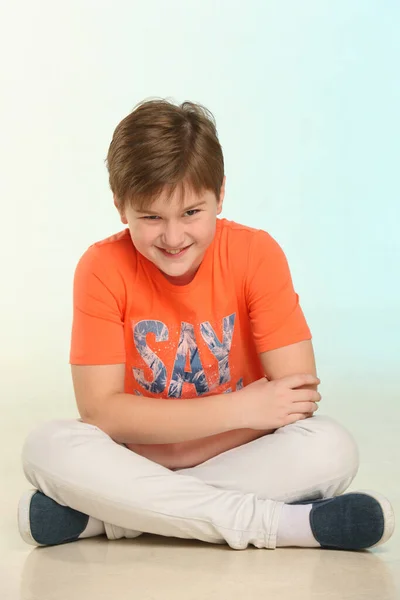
309 459
80 466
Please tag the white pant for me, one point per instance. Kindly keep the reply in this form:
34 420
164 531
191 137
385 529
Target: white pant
235 497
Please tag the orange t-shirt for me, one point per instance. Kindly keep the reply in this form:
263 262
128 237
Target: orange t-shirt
185 341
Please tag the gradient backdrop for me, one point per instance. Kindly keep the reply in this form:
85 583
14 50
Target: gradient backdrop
306 95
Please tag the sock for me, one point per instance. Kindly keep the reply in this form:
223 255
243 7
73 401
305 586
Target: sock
93 528
294 527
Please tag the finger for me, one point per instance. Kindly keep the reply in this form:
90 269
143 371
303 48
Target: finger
303 407
290 419
306 396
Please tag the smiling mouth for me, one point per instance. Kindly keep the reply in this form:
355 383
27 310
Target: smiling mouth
174 253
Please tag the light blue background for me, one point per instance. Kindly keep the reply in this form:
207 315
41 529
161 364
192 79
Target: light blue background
306 95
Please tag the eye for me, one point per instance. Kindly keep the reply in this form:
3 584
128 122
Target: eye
151 217
192 212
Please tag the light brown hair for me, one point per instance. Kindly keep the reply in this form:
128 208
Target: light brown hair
160 146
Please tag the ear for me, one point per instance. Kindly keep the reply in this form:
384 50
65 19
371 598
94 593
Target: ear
121 211
221 196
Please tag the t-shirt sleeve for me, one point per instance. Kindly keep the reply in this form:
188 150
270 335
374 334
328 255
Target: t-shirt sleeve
276 317
98 311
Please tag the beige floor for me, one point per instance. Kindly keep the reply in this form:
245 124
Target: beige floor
152 567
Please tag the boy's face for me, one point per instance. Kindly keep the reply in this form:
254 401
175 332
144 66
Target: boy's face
175 235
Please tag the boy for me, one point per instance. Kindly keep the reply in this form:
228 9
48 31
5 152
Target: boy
193 371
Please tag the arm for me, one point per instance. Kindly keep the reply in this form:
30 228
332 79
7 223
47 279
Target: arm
192 453
101 401
288 360
294 358
184 455
180 454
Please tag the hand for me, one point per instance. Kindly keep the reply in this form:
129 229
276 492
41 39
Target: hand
273 404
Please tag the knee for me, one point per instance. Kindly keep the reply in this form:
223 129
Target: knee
335 446
40 444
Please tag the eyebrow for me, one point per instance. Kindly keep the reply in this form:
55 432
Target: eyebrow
191 207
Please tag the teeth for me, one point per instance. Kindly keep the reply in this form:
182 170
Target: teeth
174 251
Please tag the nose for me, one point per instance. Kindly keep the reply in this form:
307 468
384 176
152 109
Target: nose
173 235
